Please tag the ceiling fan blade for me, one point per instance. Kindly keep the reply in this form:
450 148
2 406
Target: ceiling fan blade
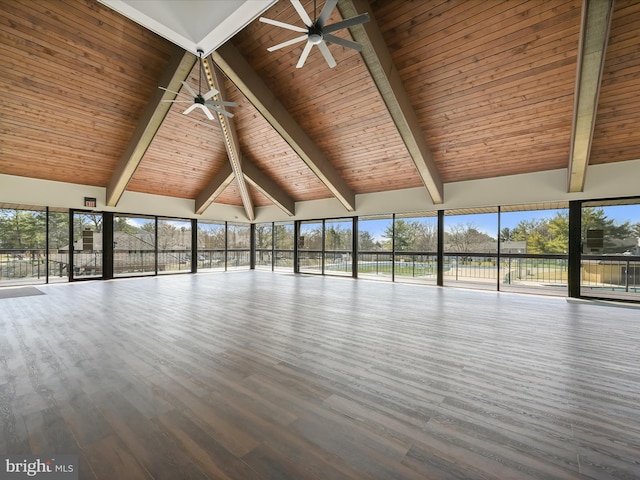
326 11
349 22
175 93
302 12
214 103
327 54
189 89
190 109
287 43
207 112
170 91
223 112
343 41
210 94
178 101
305 54
283 25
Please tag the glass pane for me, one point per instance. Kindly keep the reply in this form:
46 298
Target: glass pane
58 246
470 250
134 245
310 247
211 246
238 246
533 251
264 245
338 246
611 251
416 243
284 241
87 245
375 246
22 246
174 246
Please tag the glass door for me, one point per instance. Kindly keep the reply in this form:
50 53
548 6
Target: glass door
87 245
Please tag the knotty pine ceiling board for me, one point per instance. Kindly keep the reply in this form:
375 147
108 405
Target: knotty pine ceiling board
492 83
75 77
616 135
185 154
340 109
231 196
262 145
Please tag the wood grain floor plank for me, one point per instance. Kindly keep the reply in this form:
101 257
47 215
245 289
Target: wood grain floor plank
261 375
212 458
154 451
110 458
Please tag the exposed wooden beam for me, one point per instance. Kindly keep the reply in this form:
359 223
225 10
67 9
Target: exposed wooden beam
216 80
268 187
178 69
383 71
214 188
234 65
594 36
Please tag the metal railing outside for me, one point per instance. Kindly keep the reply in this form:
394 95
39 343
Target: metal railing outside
171 261
375 264
310 261
610 276
338 262
87 263
16 265
283 259
238 259
211 259
134 262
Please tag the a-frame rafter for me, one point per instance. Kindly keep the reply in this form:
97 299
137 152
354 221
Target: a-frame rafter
177 71
383 71
594 36
237 69
216 80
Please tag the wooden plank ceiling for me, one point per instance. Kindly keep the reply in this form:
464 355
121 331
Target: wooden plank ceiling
492 85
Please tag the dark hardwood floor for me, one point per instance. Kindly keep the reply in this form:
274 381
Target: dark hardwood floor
256 375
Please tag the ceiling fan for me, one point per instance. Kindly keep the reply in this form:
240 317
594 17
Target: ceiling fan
205 101
316 32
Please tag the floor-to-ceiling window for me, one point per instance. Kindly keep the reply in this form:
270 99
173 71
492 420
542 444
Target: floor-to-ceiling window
264 245
338 246
22 246
134 245
471 247
174 245
58 254
533 249
211 245
375 247
310 246
416 244
610 265
284 243
238 246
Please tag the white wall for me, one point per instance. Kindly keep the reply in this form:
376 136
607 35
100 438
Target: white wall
603 181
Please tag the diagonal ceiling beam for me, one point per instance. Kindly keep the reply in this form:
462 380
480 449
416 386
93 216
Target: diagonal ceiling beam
214 188
383 71
216 80
178 69
594 35
268 187
234 65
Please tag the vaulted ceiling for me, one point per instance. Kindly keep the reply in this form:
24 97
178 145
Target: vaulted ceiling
443 91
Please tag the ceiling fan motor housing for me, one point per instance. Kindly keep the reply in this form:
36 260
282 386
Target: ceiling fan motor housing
315 34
